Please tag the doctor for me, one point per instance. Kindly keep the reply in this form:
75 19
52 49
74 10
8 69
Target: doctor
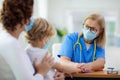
86 50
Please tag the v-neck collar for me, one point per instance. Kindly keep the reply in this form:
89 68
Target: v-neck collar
84 48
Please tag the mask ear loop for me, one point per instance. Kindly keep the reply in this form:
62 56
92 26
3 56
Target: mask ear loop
74 48
94 55
30 26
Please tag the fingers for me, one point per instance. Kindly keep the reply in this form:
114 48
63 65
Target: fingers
51 62
59 76
80 65
85 68
45 56
35 62
48 59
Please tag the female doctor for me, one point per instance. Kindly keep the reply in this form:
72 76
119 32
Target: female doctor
86 51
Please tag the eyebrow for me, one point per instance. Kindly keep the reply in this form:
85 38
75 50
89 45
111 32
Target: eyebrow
90 26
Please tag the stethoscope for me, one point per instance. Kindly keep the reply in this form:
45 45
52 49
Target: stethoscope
78 43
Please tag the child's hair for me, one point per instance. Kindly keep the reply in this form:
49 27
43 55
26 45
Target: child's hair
41 29
101 21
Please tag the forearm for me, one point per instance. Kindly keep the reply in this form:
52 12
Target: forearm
58 66
98 64
67 66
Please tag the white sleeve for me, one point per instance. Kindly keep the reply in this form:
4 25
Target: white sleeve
39 76
20 63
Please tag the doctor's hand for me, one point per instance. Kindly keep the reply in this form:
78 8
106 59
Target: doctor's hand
86 67
59 76
78 69
45 65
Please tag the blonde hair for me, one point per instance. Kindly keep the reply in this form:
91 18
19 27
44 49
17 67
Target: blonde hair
41 29
101 39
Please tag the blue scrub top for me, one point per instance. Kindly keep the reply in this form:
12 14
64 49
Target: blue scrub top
67 49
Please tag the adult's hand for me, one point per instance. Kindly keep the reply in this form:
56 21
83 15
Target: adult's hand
86 67
45 65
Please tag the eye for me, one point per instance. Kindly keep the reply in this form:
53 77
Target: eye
86 26
93 31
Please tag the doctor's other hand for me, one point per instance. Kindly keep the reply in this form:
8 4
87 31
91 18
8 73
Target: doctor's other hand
59 76
78 68
45 65
85 67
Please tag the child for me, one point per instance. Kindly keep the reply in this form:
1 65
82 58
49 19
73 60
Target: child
38 36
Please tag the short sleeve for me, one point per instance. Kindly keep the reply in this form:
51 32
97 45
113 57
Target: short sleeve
100 53
67 47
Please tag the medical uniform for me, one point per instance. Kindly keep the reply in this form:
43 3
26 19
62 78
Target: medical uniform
80 56
34 52
18 60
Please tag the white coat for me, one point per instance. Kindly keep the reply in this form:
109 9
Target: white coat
13 53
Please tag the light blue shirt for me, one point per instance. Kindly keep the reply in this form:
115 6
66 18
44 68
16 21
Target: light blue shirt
84 56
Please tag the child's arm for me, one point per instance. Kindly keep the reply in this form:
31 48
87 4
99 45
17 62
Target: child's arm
66 66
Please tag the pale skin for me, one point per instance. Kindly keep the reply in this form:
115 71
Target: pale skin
91 66
46 64
59 76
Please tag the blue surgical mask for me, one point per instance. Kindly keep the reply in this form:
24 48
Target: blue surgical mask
47 45
30 26
88 34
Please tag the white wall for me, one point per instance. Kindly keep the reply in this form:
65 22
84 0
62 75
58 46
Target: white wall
40 8
113 57
58 8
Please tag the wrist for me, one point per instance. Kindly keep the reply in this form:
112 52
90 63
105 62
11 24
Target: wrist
91 66
41 73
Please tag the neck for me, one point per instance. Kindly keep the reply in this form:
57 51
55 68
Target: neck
88 41
15 34
38 45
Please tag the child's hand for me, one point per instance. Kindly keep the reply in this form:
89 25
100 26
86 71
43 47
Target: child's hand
45 65
59 76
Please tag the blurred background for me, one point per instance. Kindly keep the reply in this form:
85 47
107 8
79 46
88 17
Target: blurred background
67 16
